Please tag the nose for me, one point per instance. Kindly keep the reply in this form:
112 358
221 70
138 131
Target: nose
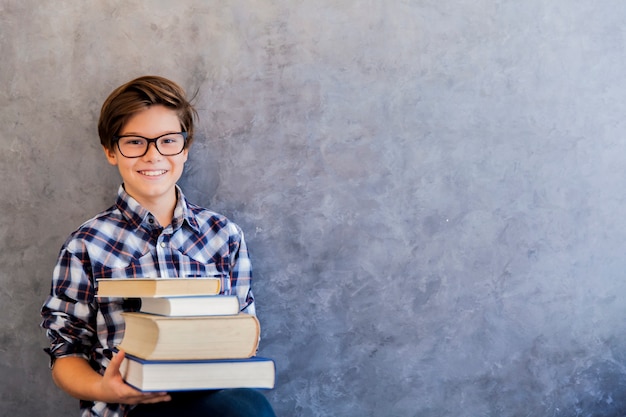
152 153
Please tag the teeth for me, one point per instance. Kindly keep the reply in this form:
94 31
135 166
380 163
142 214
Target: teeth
153 173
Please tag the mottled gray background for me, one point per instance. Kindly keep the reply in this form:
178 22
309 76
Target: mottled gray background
432 191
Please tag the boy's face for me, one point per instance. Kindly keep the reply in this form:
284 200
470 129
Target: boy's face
150 179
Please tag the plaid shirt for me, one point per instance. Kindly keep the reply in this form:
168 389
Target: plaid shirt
126 241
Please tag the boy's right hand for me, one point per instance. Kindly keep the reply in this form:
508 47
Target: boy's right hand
115 390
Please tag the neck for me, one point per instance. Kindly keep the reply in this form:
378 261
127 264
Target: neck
162 208
163 214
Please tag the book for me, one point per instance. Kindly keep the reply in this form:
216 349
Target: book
157 287
153 337
146 375
210 305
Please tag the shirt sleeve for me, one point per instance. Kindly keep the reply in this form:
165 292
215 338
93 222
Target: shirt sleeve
68 314
241 272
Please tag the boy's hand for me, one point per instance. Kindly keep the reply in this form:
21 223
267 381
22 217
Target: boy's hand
116 390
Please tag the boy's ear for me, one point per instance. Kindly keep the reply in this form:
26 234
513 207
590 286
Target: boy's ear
110 155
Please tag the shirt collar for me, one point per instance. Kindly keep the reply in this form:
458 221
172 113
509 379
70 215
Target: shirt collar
139 216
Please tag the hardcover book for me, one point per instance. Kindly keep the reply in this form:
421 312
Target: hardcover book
209 305
145 375
157 287
150 336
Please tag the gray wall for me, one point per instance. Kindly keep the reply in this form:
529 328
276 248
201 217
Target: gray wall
432 190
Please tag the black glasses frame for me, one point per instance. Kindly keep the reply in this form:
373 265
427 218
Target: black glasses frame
116 139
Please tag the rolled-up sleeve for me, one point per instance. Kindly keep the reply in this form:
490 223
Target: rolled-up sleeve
68 312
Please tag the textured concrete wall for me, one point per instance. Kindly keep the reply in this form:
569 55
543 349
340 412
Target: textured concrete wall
433 191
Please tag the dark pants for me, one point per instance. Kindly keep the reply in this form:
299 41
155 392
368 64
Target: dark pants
241 402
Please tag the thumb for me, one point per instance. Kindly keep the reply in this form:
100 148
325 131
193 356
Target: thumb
116 362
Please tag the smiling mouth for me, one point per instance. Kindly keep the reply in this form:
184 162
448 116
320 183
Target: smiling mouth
153 173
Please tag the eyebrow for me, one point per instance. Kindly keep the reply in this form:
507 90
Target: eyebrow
139 134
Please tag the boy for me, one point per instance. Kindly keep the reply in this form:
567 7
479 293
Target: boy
146 129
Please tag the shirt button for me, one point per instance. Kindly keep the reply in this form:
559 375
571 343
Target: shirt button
162 244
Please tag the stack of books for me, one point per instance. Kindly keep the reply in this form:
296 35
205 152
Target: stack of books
187 336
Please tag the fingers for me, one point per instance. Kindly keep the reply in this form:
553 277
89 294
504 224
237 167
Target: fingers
129 395
138 397
157 398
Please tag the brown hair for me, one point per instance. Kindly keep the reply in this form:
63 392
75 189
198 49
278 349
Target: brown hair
137 95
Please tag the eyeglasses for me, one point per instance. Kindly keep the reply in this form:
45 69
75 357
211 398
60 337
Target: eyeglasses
133 146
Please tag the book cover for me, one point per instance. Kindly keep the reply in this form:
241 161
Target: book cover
147 375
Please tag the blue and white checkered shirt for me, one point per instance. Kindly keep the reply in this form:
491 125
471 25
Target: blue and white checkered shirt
126 241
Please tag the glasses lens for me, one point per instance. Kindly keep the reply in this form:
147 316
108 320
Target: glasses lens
131 146
172 144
